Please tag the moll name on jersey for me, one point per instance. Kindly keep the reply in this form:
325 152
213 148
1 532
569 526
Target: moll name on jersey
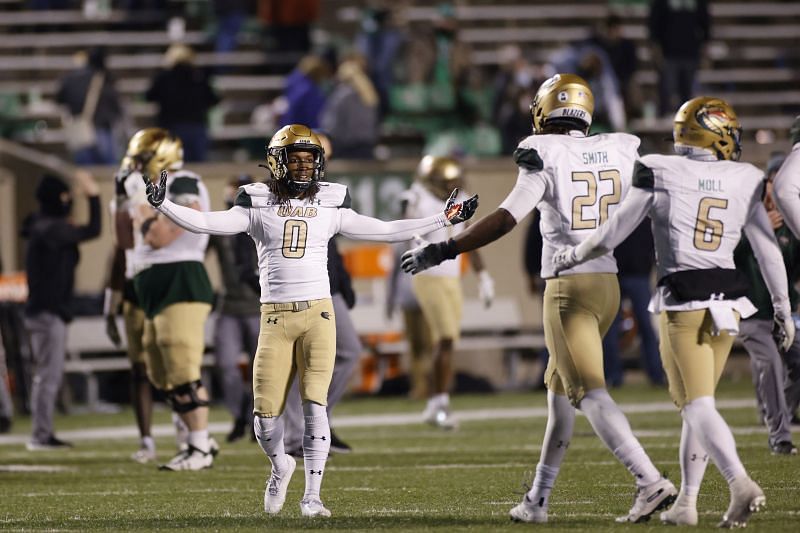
710 185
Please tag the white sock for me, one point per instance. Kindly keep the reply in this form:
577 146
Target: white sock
316 445
439 400
148 443
557 435
694 460
181 430
610 424
269 434
199 440
715 436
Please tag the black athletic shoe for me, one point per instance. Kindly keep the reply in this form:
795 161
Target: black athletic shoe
784 447
338 445
51 443
238 431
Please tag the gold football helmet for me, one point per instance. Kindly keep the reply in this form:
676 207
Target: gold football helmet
709 123
440 175
295 138
564 99
152 150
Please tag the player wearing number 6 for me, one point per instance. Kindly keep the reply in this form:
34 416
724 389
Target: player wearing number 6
291 218
700 201
576 181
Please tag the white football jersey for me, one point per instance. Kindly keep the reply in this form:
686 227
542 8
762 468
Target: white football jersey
423 203
699 209
577 182
292 240
183 187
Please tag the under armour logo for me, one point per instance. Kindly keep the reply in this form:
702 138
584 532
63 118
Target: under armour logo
272 320
716 296
326 315
312 437
319 472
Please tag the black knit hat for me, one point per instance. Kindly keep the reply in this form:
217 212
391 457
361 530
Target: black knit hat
48 192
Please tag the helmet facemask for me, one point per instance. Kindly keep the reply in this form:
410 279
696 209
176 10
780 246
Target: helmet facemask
288 140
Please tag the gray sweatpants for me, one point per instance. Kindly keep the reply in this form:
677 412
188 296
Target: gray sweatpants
348 350
773 389
6 405
233 335
48 335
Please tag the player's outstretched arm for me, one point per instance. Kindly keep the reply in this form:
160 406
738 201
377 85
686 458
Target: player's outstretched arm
762 240
361 227
609 235
787 191
230 222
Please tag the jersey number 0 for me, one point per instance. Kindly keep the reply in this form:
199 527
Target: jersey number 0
295 233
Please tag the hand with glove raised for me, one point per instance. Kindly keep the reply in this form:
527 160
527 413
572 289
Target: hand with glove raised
461 211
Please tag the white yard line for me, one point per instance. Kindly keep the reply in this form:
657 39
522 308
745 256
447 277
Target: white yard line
365 421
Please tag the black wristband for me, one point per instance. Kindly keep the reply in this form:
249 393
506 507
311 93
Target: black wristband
448 249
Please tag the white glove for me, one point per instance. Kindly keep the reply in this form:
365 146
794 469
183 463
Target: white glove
485 288
426 255
784 330
563 259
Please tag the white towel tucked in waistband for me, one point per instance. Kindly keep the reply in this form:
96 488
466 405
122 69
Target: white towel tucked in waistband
724 318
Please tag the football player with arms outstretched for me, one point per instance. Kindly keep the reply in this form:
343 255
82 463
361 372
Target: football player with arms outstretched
291 218
576 181
700 201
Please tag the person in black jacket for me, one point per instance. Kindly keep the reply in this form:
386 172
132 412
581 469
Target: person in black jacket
51 258
184 96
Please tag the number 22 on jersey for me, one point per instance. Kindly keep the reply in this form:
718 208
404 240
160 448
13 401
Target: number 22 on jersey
589 199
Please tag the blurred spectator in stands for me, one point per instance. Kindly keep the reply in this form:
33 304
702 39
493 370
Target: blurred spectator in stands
238 316
350 115
92 85
589 60
305 92
776 388
231 16
635 261
287 24
381 40
6 405
514 87
621 52
50 261
184 97
678 33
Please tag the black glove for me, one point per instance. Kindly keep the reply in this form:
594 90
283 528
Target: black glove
459 212
156 192
427 255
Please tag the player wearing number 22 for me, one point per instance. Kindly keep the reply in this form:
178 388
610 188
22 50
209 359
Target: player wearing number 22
576 181
700 201
291 218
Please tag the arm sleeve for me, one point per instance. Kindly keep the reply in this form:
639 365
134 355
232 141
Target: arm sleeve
234 220
627 218
355 226
770 260
67 233
526 194
787 191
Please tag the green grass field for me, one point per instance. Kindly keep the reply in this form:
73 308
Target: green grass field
400 477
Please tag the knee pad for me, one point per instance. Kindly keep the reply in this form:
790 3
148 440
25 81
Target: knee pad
187 389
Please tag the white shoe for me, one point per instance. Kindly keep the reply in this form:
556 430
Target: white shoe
528 511
649 499
275 493
680 514
746 498
440 417
190 459
144 456
313 507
